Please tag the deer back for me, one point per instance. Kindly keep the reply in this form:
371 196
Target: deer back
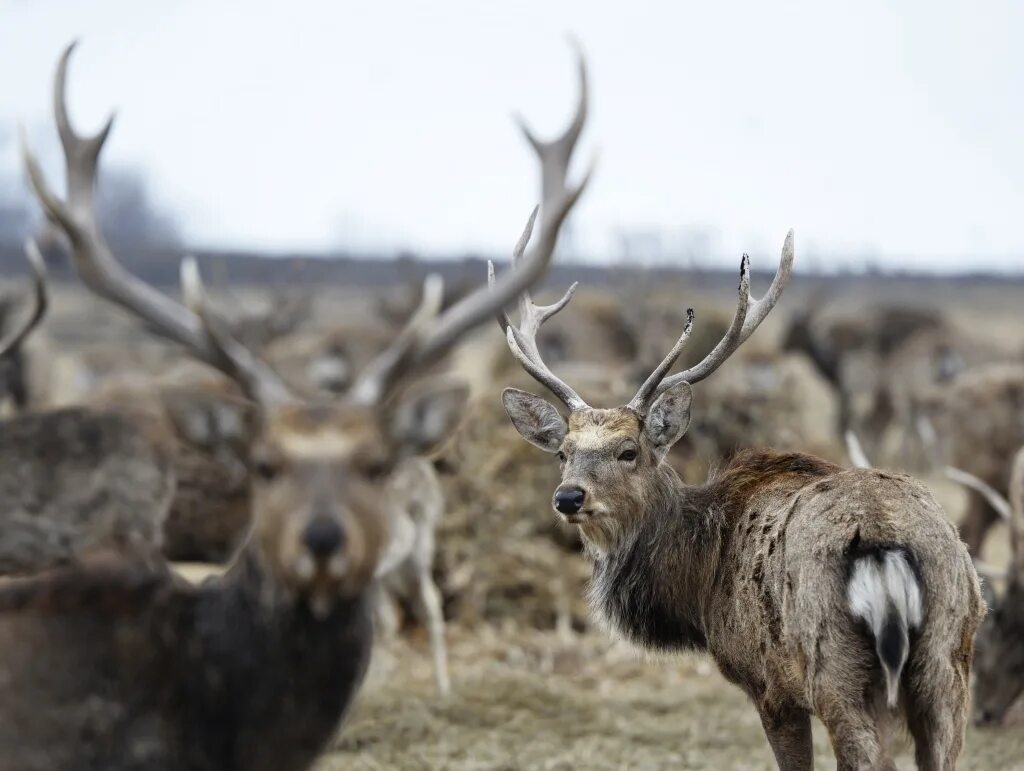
75 480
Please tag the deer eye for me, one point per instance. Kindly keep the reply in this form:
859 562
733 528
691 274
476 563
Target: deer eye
627 455
561 457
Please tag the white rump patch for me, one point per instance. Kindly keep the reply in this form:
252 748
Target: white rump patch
886 593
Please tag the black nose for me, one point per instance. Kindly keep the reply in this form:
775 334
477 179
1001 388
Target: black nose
569 500
323 537
985 717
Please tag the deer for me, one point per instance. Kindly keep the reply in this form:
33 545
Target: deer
117 663
842 593
973 424
75 480
999 647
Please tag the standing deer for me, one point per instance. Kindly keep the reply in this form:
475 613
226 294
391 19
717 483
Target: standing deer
999 648
117 665
839 593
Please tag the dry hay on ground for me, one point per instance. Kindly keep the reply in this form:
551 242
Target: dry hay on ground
523 699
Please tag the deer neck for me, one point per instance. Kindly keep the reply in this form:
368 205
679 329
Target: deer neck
652 587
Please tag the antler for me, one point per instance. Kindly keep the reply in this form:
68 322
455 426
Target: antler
522 340
554 157
100 270
431 340
748 316
992 496
39 301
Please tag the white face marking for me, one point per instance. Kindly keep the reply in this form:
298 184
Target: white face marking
337 566
304 566
322 446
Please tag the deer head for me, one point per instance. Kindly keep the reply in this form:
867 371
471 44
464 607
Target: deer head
318 465
999 644
607 455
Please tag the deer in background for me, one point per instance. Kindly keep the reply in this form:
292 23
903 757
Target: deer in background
75 480
973 423
999 647
14 380
112 664
818 590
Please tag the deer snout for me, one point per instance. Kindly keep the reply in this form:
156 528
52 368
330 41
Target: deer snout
569 499
323 537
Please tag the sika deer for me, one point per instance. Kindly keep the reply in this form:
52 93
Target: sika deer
999 647
117 665
818 590
75 480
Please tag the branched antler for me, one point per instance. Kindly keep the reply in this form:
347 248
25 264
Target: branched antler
40 300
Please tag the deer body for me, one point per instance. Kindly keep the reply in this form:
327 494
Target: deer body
755 567
76 480
233 674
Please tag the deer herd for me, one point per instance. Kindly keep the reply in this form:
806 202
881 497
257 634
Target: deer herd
819 590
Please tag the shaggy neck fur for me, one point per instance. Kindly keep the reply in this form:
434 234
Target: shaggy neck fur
651 586
655 585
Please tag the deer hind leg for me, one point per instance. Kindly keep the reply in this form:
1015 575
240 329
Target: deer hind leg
789 734
432 614
937 705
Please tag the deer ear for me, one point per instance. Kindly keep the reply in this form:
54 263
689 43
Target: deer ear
425 417
668 418
539 423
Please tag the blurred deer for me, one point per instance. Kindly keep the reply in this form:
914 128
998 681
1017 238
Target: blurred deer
974 424
999 647
818 590
114 664
75 480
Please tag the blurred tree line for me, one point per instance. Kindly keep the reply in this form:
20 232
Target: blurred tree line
130 218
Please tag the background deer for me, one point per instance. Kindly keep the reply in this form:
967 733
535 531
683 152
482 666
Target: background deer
76 480
843 594
999 647
253 669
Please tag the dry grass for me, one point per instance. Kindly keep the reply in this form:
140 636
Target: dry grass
526 700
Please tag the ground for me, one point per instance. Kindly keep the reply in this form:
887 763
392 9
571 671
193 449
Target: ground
529 700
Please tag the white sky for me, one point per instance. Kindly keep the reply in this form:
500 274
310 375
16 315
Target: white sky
894 130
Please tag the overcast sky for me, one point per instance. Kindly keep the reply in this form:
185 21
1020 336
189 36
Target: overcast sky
892 130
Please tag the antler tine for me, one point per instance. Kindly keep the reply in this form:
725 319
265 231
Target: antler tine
522 340
642 400
434 339
40 301
555 155
992 496
98 267
749 315
372 382
259 382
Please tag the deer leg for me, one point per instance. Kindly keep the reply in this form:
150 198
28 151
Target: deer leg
385 615
976 522
789 734
854 738
937 705
429 600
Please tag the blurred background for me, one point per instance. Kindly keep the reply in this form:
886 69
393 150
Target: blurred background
321 158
